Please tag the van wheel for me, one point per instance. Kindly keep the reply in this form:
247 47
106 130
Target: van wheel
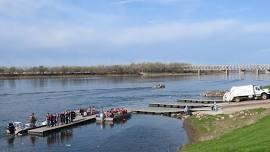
264 96
237 99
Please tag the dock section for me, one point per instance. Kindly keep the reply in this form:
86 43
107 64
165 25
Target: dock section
179 105
77 121
166 108
156 110
205 101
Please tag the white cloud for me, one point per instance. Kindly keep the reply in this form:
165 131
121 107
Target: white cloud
102 32
259 27
39 36
172 32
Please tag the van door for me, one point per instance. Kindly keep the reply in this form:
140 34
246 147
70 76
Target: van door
257 90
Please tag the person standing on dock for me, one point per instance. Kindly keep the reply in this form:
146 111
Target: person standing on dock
62 118
93 112
54 120
48 119
73 115
66 117
51 120
57 118
186 110
32 120
215 107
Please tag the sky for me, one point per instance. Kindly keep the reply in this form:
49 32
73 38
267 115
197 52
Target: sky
95 32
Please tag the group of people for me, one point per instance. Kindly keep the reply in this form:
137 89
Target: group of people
91 110
115 111
60 118
68 116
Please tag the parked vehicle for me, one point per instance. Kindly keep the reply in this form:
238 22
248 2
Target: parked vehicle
246 92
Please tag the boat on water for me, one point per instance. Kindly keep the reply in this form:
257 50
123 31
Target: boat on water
18 128
113 119
113 115
159 86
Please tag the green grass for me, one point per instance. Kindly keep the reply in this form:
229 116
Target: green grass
205 123
266 87
253 138
258 110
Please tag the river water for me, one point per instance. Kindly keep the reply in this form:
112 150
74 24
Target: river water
144 133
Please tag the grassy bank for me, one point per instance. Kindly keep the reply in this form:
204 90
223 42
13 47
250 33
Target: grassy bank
243 131
266 87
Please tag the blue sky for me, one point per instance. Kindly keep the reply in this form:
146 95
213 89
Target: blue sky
93 32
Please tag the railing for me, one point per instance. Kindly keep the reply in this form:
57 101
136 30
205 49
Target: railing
232 67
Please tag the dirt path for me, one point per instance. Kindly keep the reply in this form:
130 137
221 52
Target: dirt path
229 108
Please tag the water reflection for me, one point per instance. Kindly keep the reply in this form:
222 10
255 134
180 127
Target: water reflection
59 137
2 83
64 82
10 140
39 83
112 124
12 83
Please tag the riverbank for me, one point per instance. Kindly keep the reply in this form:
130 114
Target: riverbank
221 132
45 76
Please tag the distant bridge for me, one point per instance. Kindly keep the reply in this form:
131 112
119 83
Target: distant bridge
232 67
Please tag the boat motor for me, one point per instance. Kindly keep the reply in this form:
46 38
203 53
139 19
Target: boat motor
11 128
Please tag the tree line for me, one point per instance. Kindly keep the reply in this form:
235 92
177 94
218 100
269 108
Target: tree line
97 70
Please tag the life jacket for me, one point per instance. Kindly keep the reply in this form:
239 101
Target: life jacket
48 117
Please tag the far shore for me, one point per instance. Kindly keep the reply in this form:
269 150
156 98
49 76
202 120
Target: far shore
43 76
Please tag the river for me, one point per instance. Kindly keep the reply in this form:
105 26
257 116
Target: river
144 133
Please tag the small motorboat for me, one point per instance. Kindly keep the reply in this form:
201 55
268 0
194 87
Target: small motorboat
113 115
100 117
15 128
18 128
159 86
113 119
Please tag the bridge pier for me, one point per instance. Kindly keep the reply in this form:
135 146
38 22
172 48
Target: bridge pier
257 73
227 73
241 73
199 74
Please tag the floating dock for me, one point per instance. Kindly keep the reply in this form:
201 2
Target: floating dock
205 101
156 110
173 108
42 131
180 105
164 111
